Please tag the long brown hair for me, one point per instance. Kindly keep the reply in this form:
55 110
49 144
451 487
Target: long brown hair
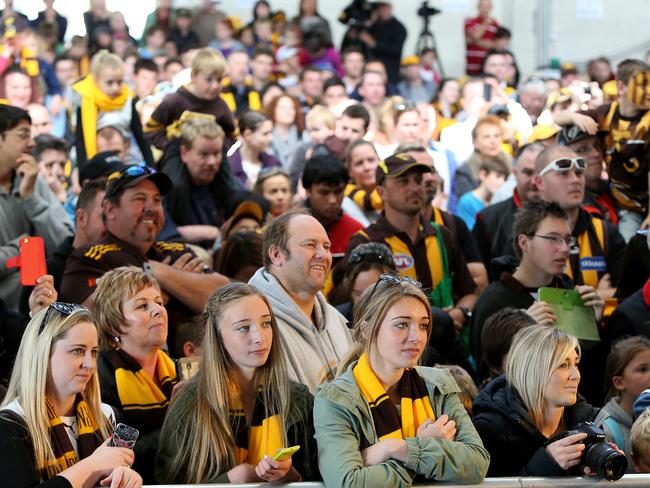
207 446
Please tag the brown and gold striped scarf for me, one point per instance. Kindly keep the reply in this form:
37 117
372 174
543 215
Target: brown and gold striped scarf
88 438
264 434
415 404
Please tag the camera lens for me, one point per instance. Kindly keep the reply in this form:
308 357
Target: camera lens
606 461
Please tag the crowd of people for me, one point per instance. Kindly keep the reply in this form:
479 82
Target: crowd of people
251 239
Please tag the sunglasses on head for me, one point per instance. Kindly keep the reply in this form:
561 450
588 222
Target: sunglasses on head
132 171
564 165
61 307
395 280
403 106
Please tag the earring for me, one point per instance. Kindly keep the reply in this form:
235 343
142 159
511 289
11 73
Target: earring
117 339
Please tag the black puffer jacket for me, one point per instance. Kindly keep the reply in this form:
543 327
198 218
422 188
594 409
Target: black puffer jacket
515 445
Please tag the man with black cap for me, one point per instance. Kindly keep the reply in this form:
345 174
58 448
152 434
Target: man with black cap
422 250
598 199
133 215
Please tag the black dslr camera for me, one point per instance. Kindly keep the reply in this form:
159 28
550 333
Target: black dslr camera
598 454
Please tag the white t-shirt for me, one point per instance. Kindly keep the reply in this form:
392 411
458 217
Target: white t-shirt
70 423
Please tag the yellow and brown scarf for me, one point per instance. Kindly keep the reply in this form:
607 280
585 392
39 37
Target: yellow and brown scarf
415 404
88 438
143 402
263 436
93 101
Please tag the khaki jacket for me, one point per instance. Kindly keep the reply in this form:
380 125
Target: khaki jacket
344 427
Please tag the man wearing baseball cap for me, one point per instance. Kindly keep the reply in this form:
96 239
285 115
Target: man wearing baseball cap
133 215
423 250
598 199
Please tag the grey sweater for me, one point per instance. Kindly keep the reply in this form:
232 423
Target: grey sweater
42 215
312 351
624 420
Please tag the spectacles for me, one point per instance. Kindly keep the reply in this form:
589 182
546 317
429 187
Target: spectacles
132 171
564 165
23 135
558 241
63 308
395 280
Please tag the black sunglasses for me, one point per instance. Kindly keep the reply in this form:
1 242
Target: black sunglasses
61 307
394 280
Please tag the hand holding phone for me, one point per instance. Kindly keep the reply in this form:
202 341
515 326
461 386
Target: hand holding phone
285 453
124 436
31 260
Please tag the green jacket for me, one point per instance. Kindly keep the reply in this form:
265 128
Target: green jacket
300 431
344 427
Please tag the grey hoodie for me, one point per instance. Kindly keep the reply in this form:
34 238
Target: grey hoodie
312 352
616 414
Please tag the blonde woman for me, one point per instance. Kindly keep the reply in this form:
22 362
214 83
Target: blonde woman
53 426
229 420
518 412
136 376
384 421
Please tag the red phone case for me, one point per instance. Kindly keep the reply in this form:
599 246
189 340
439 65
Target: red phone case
31 260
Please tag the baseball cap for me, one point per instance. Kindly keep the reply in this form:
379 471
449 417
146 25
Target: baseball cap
285 52
101 164
570 134
542 132
410 60
184 12
397 165
107 119
246 209
132 175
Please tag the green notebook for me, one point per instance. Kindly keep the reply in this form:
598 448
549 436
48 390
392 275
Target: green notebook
573 317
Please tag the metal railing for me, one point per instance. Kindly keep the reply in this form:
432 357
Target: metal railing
627 481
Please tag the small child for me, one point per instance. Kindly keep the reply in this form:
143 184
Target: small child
320 122
627 374
200 95
492 174
640 440
104 92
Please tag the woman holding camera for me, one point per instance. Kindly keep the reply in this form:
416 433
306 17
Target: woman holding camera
385 421
240 408
135 374
537 398
53 426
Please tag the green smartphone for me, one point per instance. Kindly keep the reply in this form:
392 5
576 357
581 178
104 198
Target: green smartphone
285 453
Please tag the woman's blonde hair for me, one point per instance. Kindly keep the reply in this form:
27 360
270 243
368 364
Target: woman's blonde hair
105 60
371 309
387 111
536 352
207 445
30 374
113 288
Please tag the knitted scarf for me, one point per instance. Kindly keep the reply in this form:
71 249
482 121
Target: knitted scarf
88 438
263 436
93 101
144 403
28 61
415 404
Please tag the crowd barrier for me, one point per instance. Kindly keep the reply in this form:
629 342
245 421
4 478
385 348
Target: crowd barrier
627 481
